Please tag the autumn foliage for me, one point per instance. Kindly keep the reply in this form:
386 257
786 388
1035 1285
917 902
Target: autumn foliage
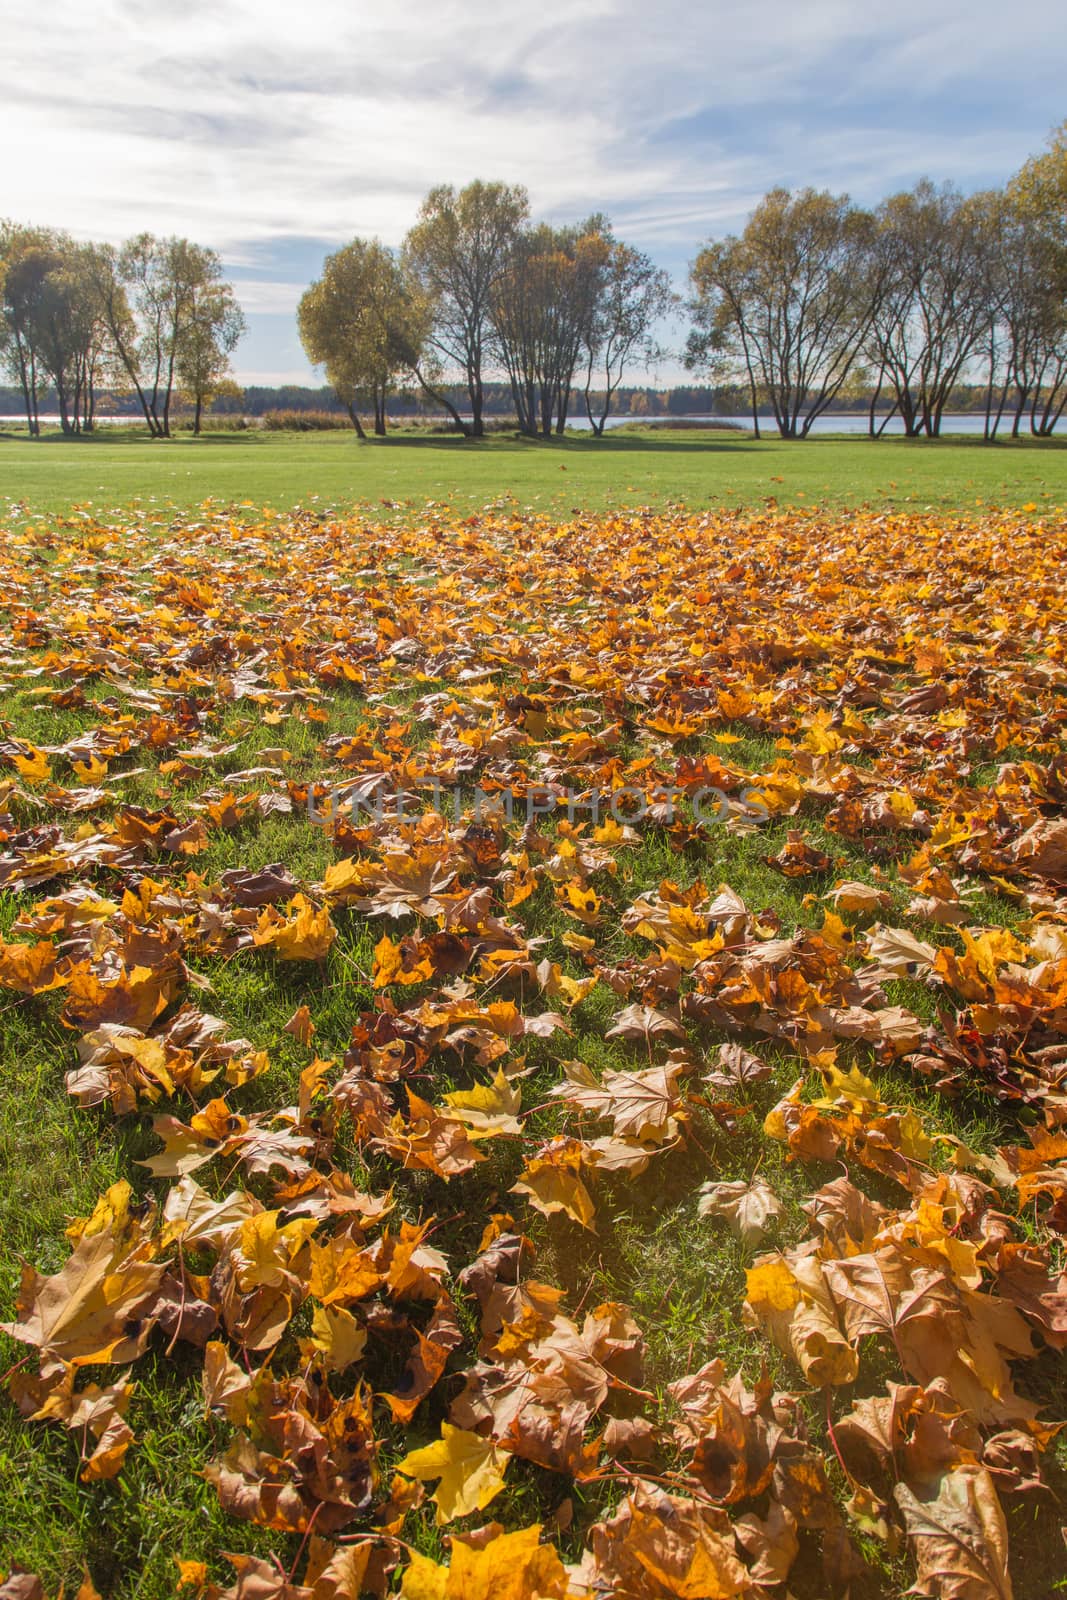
352 1255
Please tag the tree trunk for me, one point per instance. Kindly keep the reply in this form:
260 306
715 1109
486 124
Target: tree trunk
28 388
64 407
1001 403
526 408
196 415
150 418
354 414
986 435
755 402
546 412
886 420
126 357
477 397
468 430
1052 414
909 414
170 381
566 396
89 418
598 428
33 409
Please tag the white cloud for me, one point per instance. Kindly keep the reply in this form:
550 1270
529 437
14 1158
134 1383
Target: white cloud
260 297
250 123
253 119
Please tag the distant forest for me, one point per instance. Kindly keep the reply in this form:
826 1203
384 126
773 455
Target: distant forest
255 400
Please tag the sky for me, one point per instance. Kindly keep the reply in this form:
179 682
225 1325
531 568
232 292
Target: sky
275 132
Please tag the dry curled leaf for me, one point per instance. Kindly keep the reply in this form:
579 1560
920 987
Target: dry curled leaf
750 1208
956 1528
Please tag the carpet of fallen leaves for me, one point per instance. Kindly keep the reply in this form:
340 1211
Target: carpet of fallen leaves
908 679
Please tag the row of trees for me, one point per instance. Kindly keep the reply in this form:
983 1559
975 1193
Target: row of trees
477 288
153 317
817 296
817 301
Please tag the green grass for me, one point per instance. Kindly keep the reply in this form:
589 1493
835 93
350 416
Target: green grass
569 476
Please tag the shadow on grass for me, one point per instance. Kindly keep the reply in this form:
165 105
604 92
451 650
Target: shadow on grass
570 445
620 442
137 436
972 441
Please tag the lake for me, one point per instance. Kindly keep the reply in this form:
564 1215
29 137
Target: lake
968 423
964 422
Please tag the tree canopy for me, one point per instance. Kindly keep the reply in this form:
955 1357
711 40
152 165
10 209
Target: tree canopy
458 252
144 316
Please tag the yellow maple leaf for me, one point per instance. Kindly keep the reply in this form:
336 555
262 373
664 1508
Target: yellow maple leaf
580 901
488 1109
90 771
336 1335
34 766
391 967
551 1183
507 1566
470 1470
790 1300
305 935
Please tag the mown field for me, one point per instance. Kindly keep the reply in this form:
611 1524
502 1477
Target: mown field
659 468
548 1023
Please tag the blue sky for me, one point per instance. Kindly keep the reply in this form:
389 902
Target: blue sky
276 131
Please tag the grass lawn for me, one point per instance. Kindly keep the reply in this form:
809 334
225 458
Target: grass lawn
514 1035
576 474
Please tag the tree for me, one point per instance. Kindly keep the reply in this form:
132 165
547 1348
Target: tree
787 305
71 333
24 265
52 323
1033 278
633 295
1018 281
214 326
149 291
1040 187
543 311
932 309
458 252
362 322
